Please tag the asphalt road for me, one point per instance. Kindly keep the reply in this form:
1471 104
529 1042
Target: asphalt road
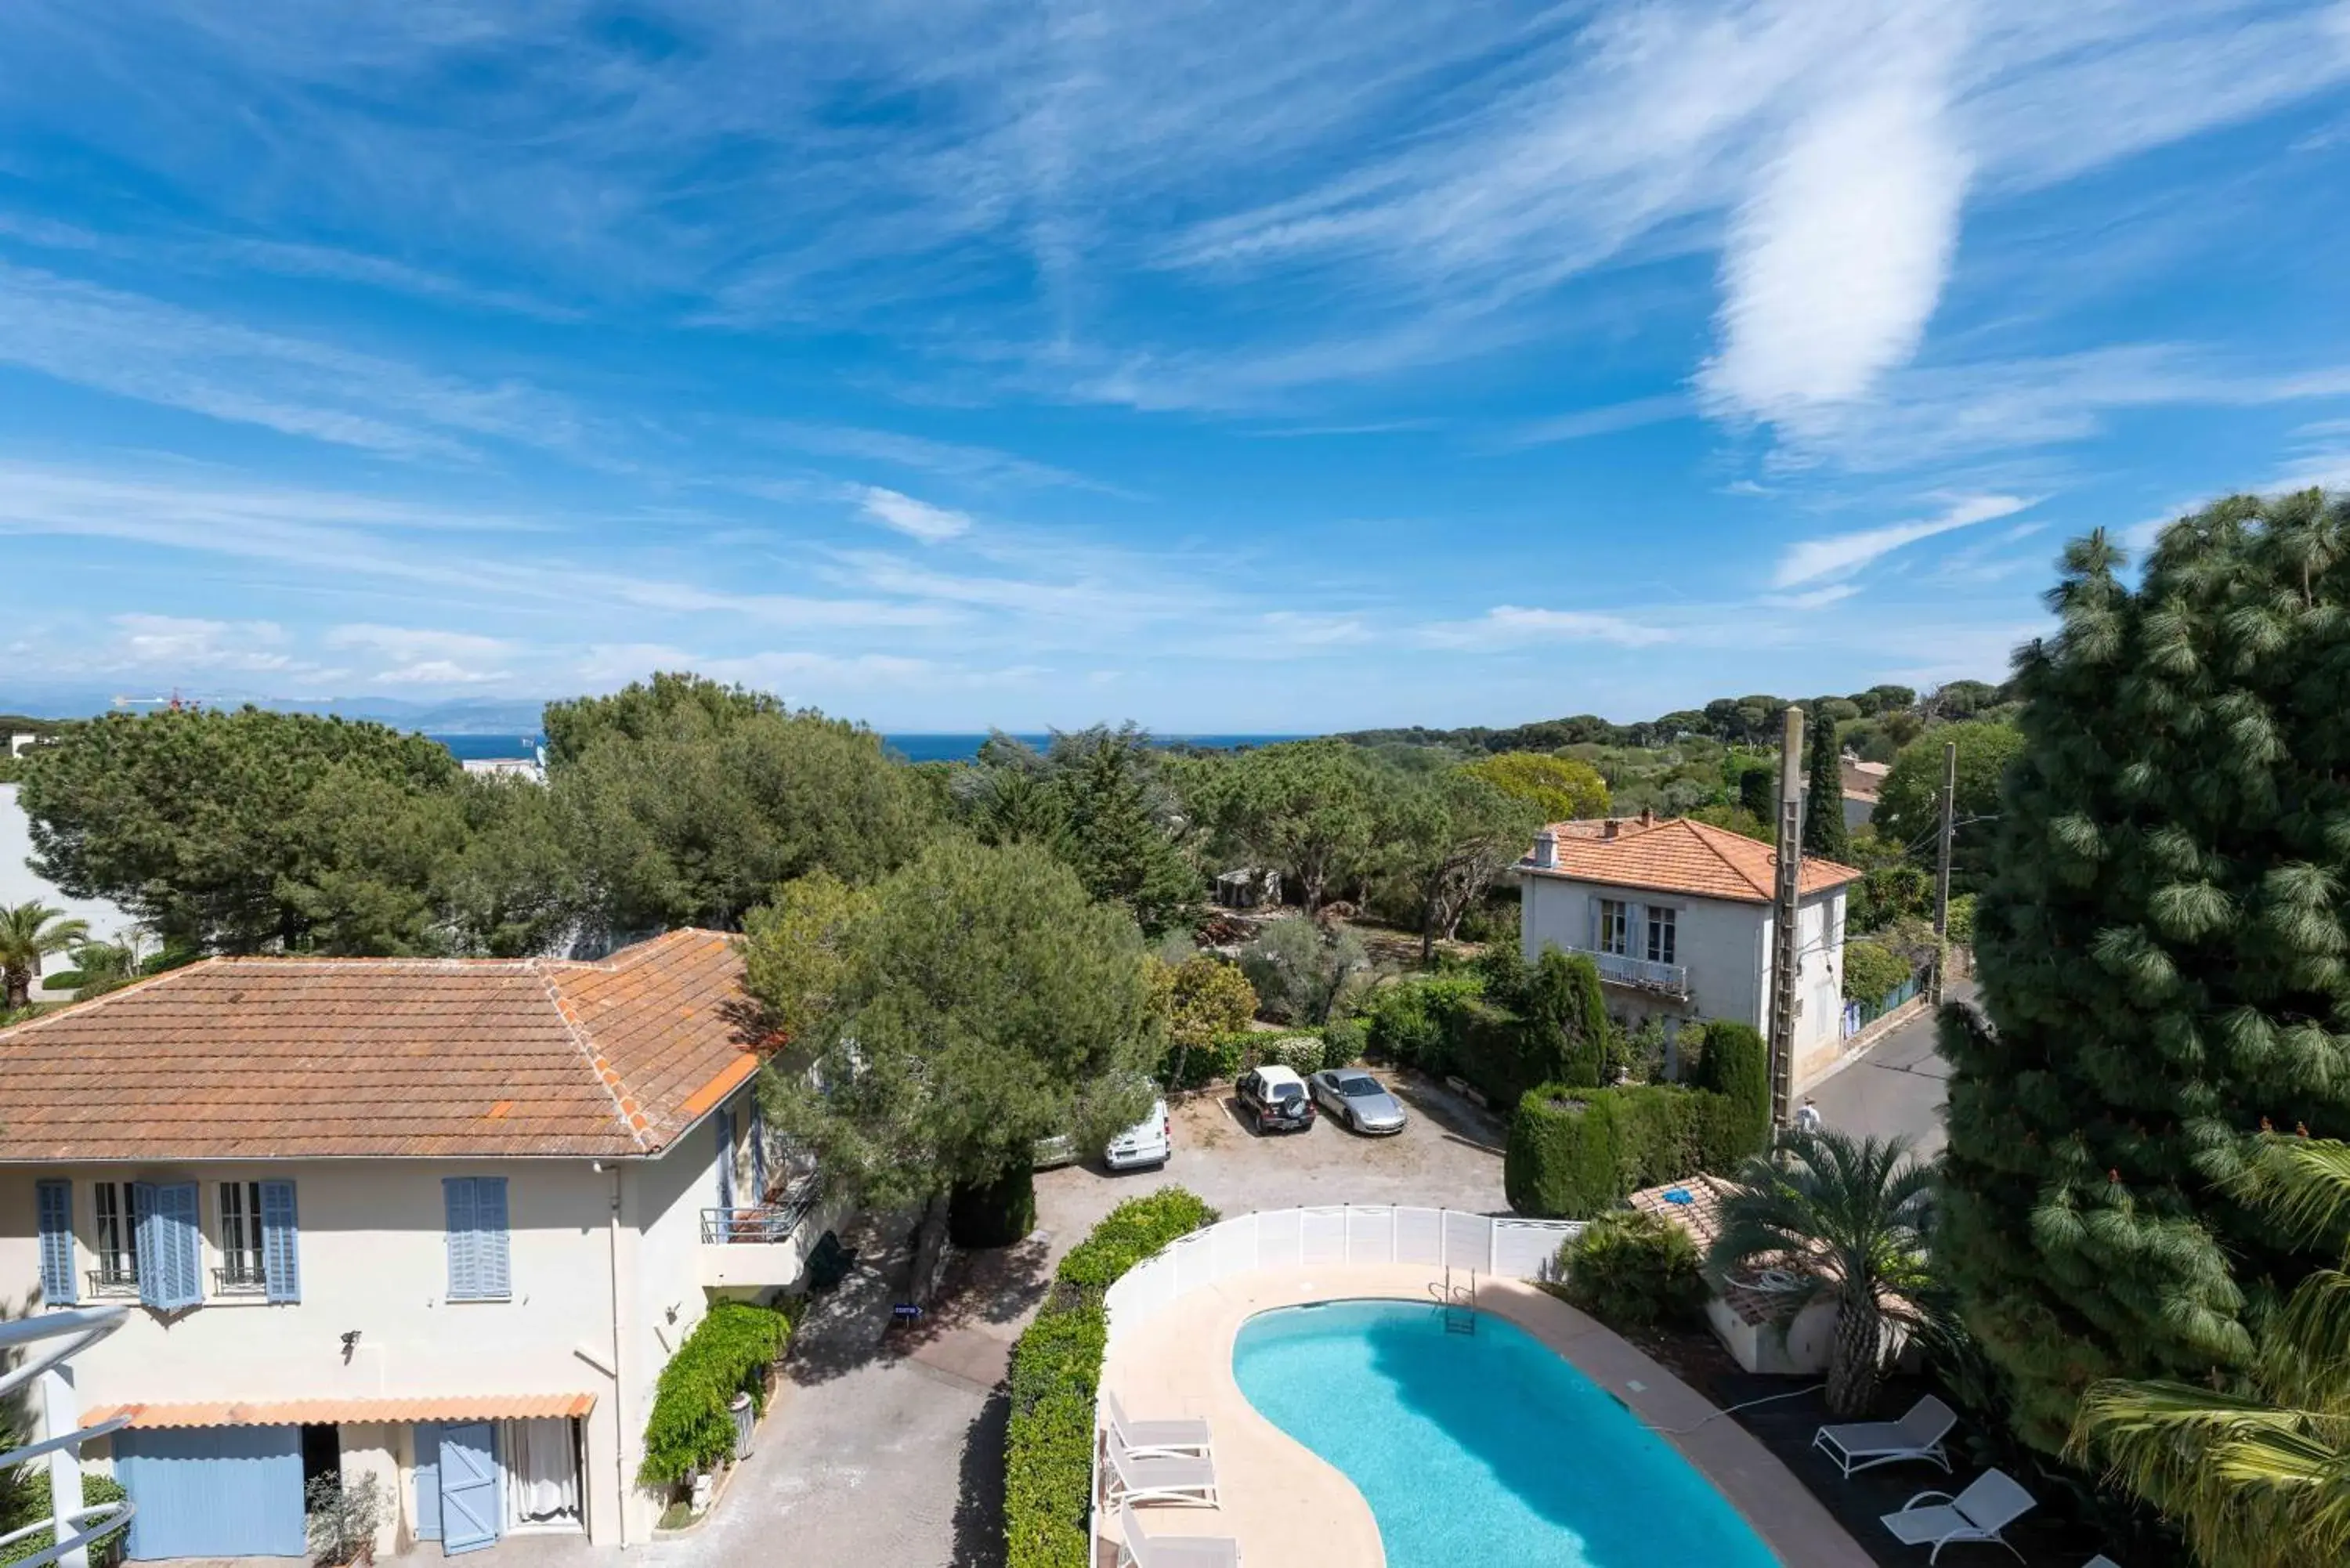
1898 1087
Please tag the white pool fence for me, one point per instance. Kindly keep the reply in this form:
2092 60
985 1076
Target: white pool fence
1436 1238
1497 1246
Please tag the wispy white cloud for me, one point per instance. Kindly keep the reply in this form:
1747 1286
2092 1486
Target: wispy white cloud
416 656
1840 555
916 519
951 459
1509 625
1606 420
1839 255
1813 599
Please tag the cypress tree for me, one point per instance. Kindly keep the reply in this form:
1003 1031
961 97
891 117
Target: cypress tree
2162 952
1824 830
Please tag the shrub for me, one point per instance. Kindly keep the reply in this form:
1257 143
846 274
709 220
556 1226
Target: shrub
1412 1022
28 1499
1870 972
1129 1233
727 1353
1575 1153
1343 1040
1055 1371
1220 1058
1560 1162
1634 1269
1737 1066
995 1213
340 1518
1301 1054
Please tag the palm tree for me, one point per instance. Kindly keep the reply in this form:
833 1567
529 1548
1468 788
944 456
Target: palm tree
97 968
29 933
2255 1466
1850 1214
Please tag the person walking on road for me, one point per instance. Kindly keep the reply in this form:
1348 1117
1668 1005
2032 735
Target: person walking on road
1807 1117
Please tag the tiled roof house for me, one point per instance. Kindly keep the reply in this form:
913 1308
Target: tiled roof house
448 1216
1677 916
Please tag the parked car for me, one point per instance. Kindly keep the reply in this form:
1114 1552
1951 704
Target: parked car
1147 1142
1276 1098
1359 1100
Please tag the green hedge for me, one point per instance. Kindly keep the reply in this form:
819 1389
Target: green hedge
1736 1064
1055 1371
727 1353
27 1496
1575 1153
1634 1269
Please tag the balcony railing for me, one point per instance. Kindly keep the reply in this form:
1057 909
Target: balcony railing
240 1280
1642 974
114 1282
763 1222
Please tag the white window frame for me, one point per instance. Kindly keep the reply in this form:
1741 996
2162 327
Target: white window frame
243 1269
1661 920
1614 936
114 1240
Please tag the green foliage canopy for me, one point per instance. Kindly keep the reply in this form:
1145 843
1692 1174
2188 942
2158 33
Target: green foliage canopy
1910 802
1561 789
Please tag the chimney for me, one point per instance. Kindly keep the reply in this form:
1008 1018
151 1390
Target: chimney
1647 816
1546 850
1607 830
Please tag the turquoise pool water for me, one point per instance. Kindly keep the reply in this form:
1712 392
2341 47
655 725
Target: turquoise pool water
1484 1448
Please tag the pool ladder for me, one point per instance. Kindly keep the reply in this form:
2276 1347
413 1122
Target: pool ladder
1457 1304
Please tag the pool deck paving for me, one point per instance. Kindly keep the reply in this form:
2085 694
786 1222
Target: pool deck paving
1285 1504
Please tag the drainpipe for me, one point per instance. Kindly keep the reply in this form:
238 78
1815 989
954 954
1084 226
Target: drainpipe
620 1414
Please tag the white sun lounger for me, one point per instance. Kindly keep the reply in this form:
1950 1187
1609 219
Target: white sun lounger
1916 1436
1140 1550
1979 1513
1147 1439
1158 1477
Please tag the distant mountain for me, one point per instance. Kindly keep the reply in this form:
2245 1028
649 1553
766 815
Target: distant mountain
456 716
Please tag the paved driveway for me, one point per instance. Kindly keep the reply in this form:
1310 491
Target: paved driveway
1899 1087
885 1450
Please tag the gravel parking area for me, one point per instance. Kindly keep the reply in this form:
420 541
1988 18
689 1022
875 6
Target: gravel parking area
1448 1155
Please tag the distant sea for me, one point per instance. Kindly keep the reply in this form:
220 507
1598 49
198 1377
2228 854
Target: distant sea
914 748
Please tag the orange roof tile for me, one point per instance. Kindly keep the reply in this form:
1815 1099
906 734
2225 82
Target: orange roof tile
1677 855
253 1058
333 1412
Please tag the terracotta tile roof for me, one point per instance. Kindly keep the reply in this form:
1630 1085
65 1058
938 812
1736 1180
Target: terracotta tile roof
332 1412
239 1058
1677 855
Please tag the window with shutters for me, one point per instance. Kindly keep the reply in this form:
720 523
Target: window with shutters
1664 935
1615 933
58 1283
241 1272
115 1239
479 1269
170 1244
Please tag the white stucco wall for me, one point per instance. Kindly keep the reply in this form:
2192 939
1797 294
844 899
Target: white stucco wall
18 885
373 1258
1726 947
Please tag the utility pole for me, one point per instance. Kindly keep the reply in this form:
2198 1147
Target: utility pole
1787 890
1942 871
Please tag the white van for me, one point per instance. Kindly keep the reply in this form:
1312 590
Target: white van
1147 1143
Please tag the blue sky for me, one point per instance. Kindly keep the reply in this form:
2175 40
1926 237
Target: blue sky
1220 365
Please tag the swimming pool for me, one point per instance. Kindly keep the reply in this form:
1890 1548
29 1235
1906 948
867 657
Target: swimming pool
1485 1448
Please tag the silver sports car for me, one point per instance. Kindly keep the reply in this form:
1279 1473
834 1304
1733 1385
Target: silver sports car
1355 1098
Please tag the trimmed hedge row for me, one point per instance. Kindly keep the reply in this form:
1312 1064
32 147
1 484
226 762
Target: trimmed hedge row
727 1353
1055 1371
1736 1063
1575 1153
1504 1025
1228 1055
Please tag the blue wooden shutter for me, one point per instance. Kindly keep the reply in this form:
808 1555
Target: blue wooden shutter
470 1510
281 1258
725 1159
171 1256
490 1206
457 1194
758 1150
56 1243
428 1481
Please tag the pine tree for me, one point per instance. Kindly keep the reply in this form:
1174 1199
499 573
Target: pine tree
1824 830
2162 952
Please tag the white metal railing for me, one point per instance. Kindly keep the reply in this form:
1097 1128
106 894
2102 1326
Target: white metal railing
68 1332
1645 974
1348 1233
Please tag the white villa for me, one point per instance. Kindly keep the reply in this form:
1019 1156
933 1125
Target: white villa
1677 915
442 1221
109 922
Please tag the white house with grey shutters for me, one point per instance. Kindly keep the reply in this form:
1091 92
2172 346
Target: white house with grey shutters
438 1222
1676 917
